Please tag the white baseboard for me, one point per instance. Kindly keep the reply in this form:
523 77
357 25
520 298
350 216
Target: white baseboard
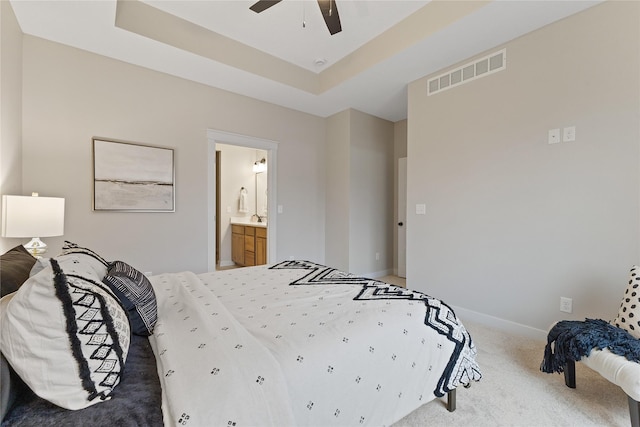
227 263
500 324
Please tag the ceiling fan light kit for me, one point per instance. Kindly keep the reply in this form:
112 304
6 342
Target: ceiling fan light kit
329 10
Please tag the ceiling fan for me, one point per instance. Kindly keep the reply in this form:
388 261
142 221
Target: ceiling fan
328 8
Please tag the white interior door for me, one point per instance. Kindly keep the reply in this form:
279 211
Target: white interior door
402 217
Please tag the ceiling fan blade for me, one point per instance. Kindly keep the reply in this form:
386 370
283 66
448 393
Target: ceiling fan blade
330 14
263 5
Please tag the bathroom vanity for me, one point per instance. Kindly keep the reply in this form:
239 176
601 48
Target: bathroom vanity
249 243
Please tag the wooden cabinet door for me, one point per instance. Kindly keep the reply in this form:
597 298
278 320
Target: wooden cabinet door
249 243
249 246
261 245
237 248
261 250
249 259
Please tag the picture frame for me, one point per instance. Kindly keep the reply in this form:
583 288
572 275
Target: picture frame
132 177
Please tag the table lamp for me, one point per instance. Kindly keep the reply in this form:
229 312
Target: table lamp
29 216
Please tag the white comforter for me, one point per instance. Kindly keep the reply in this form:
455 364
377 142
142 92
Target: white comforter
301 344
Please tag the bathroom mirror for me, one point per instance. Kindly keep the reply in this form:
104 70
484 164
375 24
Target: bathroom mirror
261 193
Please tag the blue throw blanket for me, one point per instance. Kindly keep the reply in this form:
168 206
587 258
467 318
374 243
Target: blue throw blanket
570 340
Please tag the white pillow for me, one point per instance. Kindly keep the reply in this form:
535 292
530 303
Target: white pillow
629 312
87 256
65 334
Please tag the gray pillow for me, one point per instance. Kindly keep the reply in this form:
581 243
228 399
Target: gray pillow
15 266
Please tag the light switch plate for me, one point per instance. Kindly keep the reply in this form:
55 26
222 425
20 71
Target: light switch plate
421 209
554 136
569 134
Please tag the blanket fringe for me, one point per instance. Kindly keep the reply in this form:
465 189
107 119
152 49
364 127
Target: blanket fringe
571 340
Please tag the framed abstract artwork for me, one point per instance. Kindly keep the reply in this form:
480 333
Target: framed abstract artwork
132 177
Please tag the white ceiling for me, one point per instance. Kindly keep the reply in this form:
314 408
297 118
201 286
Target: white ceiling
368 28
279 29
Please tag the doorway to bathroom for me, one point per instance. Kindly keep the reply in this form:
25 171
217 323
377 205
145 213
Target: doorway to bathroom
241 206
242 188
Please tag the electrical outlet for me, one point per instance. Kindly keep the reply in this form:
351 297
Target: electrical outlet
291 257
566 305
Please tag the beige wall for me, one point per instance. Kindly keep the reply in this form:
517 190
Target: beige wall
338 191
70 95
512 222
10 108
371 195
359 193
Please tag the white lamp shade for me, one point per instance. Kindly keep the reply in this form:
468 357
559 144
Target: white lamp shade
32 216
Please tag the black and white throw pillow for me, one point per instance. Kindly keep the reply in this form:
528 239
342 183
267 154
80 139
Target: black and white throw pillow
136 294
66 334
88 256
629 312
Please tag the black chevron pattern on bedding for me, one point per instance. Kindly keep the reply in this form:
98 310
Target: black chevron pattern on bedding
462 368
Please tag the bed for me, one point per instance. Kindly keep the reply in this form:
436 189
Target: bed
295 343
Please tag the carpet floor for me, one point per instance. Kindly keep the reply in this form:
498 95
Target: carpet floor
514 392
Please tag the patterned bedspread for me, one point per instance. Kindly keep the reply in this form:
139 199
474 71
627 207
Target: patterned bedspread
302 344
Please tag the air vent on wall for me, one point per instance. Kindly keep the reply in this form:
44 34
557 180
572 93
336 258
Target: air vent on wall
484 66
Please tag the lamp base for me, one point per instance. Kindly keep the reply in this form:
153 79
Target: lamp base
36 247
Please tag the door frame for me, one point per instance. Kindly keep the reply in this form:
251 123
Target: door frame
214 137
402 218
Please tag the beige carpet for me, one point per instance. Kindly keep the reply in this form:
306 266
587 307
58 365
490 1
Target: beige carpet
513 391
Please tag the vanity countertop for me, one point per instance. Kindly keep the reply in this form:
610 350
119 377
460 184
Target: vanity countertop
248 221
